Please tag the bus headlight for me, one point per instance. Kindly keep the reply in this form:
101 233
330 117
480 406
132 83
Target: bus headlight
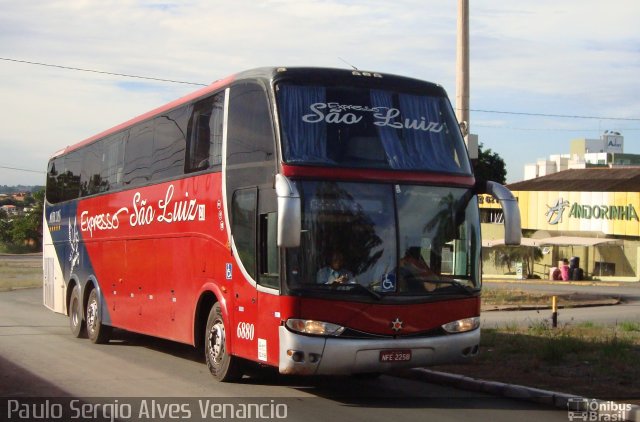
462 325
318 328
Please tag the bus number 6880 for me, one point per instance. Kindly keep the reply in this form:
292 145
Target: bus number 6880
245 330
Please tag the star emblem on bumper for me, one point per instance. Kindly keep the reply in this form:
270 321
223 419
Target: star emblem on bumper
396 325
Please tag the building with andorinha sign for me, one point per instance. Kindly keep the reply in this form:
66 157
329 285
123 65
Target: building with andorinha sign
591 214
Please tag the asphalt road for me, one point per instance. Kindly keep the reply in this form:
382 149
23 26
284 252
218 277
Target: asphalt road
628 310
40 358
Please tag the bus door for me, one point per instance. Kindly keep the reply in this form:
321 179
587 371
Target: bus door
256 280
242 273
268 281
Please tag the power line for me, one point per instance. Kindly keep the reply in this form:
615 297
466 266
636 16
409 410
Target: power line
564 116
100 71
540 129
26 170
517 113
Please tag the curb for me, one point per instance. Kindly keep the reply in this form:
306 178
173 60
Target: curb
29 254
558 282
536 395
525 307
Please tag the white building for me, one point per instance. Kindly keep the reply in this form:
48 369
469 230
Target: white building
583 152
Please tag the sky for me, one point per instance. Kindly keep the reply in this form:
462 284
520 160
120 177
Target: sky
533 64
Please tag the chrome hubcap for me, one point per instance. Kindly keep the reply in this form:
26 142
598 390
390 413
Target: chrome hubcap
216 343
92 312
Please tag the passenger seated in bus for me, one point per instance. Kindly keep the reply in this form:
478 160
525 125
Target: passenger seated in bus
335 272
416 271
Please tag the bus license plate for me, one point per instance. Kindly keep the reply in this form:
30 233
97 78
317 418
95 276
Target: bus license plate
395 355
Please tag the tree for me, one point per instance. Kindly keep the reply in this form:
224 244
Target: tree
27 229
5 227
509 255
490 166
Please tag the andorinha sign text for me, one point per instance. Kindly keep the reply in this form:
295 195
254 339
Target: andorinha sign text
555 212
611 212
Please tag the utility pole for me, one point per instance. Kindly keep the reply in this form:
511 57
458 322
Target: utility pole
462 77
462 63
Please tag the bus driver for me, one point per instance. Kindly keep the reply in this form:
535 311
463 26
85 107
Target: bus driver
335 272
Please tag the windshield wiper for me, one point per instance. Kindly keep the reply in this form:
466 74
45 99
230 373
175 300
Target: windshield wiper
359 287
462 287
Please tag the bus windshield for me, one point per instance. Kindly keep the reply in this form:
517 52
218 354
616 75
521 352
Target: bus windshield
377 240
350 126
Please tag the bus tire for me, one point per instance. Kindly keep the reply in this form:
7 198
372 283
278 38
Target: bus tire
76 318
98 332
221 364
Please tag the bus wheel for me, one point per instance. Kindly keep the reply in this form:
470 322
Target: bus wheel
76 322
222 365
97 331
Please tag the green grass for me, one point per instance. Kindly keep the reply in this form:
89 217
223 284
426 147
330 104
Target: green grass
496 298
586 358
513 297
11 248
20 274
629 326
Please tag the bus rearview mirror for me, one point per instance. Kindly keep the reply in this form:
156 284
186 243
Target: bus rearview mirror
289 213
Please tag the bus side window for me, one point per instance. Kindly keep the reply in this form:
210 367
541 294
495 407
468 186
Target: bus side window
216 126
169 144
112 161
70 176
250 132
54 186
243 227
137 164
269 269
204 134
90 178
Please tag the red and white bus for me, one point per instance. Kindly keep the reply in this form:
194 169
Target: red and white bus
316 220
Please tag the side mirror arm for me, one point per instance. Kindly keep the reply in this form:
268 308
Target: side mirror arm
510 209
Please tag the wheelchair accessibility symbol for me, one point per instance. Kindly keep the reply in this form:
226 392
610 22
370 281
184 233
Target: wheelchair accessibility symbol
389 283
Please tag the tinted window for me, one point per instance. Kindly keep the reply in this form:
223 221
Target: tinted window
54 188
269 269
63 178
250 134
346 126
183 140
90 176
204 134
138 157
169 144
243 227
69 177
112 161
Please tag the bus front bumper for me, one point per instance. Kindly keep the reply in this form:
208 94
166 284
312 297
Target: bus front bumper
309 355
